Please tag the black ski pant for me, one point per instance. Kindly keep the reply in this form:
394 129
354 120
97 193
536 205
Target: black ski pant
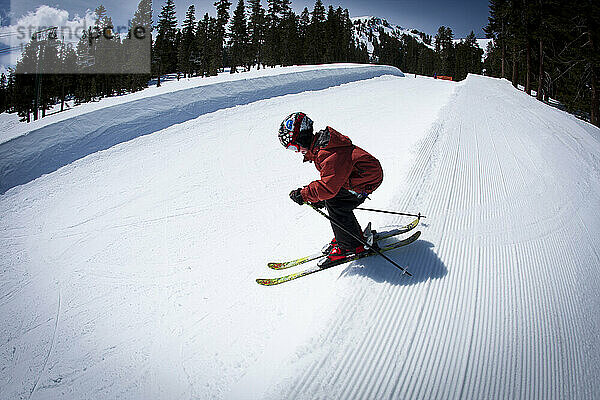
341 210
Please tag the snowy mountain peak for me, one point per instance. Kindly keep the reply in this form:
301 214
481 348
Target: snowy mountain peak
368 29
372 21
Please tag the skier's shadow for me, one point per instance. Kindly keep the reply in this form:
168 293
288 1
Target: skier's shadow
418 258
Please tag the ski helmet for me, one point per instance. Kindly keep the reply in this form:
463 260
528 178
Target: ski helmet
295 129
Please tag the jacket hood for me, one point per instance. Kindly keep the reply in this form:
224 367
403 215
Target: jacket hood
328 139
336 139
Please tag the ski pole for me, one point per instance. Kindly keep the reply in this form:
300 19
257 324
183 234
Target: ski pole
391 212
360 240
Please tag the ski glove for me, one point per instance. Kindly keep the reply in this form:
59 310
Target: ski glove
296 196
318 204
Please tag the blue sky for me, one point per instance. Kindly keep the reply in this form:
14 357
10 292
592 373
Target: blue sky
424 15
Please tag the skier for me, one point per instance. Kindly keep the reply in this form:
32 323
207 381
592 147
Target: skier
348 175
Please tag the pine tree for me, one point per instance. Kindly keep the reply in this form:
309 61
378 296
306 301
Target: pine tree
49 88
11 91
497 28
239 37
347 37
143 17
331 29
492 64
25 82
316 35
214 54
165 46
303 32
3 93
218 34
101 15
412 55
85 61
188 42
272 34
592 16
138 47
288 45
388 50
584 51
106 48
256 31
67 81
468 57
444 47
515 36
558 44
541 34
179 54
528 21
203 46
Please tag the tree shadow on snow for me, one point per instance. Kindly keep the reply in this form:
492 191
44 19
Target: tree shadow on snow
418 258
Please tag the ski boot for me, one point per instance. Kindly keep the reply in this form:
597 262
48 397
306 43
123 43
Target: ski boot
329 246
368 237
338 253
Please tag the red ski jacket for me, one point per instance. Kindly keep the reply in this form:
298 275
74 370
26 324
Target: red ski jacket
341 165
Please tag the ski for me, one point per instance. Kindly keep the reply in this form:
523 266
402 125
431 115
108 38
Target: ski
378 236
290 277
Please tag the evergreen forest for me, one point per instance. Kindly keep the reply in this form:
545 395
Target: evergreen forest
538 45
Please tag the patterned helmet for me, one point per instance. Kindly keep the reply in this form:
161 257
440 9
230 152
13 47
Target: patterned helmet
292 127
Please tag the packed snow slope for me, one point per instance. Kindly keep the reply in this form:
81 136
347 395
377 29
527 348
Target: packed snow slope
129 273
49 147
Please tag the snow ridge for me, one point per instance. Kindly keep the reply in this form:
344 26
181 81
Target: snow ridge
48 148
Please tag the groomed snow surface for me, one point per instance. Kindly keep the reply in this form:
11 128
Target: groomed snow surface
130 273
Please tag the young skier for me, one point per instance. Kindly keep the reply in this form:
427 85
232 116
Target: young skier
348 175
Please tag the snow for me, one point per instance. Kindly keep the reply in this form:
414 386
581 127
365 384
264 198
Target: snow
9 127
129 273
51 146
483 44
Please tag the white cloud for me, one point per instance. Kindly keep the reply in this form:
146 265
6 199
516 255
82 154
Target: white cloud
19 33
